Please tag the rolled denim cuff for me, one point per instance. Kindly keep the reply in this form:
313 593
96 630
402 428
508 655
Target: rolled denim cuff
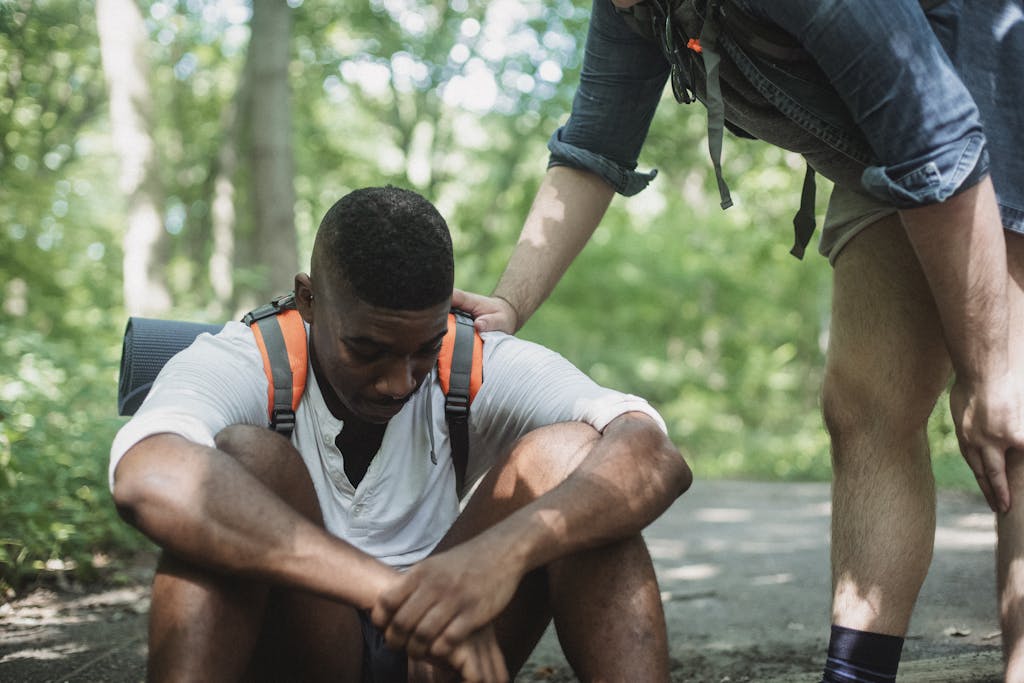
625 181
931 179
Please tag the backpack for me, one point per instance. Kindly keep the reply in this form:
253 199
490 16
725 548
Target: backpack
280 335
687 32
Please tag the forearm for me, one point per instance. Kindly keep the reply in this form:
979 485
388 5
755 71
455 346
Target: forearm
204 506
962 251
630 477
566 210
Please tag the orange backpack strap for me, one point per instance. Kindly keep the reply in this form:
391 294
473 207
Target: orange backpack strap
460 370
281 338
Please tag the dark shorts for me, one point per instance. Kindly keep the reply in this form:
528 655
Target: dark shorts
381 664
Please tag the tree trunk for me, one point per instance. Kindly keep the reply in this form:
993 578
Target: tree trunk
123 42
270 148
223 214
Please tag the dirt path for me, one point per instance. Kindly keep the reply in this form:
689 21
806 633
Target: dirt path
744 573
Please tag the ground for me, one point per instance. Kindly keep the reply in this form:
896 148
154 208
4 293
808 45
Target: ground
744 573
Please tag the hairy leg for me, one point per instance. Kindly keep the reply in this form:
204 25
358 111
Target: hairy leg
1010 552
605 601
887 365
205 625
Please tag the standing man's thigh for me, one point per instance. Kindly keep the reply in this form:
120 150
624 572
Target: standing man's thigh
886 352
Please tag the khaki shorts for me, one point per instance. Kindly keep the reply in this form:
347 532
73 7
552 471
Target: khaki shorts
849 212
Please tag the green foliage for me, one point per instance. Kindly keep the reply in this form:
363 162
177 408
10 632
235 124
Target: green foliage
61 319
55 418
700 310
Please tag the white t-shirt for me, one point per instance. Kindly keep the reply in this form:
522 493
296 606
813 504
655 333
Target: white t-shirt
406 502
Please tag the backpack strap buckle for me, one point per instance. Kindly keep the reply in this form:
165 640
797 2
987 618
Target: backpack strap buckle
282 420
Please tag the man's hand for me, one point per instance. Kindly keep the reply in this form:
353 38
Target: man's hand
989 422
491 312
432 609
477 659
961 246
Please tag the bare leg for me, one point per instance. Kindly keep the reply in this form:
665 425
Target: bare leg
605 601
887 365
201 625
609 615
210 626
1010 553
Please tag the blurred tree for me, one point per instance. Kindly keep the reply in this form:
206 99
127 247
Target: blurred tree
60 282
273 247
124 43
51 87
453 99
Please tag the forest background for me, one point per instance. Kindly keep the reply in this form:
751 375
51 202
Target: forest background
171 158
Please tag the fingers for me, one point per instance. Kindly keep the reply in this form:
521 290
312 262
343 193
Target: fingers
989 468
987 427
474 304
495 322
479 659
994 467
456 631
983 483
414 623
389 601
494 658
464 300
415 613
491 313
427 631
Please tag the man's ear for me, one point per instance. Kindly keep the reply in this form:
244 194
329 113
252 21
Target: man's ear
304 296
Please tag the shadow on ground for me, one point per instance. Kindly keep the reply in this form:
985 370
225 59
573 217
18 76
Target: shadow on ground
744 574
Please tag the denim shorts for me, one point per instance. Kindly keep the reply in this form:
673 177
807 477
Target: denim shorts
985 42
918 102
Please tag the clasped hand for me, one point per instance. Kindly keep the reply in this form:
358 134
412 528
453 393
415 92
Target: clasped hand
442 610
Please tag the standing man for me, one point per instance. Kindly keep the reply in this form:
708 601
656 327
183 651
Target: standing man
297 559
911 109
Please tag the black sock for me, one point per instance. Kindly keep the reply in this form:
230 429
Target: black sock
861 657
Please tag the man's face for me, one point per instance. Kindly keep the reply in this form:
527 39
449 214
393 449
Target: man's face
369 360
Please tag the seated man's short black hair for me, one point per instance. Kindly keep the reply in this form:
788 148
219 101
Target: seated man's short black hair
391 245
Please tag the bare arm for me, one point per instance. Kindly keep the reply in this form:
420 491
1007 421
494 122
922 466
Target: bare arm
962 250
566 210
202 504
628 477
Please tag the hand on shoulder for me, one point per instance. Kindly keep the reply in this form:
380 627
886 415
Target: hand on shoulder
492 313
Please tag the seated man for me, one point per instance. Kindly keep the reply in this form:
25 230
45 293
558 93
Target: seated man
342 554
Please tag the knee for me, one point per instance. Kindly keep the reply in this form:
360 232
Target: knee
859 405
271 458
546 456
255 448
241 440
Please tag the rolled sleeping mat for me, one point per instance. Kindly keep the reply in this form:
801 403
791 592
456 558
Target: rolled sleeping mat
148 344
